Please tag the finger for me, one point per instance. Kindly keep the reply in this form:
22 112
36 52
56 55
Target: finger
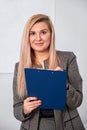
29 99
35 103
31 106
59 68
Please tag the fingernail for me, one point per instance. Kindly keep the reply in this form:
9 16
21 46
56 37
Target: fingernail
36 98
40 102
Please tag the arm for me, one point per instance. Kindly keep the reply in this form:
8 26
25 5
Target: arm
74 93
17 101
23 107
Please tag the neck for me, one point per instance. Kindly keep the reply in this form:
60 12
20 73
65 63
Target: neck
41 56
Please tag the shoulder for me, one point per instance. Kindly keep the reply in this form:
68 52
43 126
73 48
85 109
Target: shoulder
65 54
66 58
16 66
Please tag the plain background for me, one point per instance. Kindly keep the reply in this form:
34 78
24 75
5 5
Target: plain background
70 21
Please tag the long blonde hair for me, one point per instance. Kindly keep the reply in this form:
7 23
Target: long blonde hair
26 54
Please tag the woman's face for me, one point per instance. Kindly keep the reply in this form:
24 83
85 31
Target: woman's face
39 37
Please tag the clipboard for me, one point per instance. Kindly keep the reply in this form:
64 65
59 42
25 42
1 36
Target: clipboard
48 86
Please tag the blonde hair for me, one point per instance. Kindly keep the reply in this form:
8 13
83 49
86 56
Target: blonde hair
26 53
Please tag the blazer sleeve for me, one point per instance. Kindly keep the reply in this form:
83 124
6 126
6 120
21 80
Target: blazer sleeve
74 93
17 101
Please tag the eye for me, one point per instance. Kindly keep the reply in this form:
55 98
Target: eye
43 32
32 33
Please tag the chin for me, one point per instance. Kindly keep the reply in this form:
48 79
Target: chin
40 50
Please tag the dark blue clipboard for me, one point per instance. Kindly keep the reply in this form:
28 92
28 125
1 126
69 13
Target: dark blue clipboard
48 86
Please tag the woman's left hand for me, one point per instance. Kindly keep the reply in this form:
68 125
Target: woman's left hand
58 68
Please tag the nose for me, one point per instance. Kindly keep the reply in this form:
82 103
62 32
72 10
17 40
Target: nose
38 37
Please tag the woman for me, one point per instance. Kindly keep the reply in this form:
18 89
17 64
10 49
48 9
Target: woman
38 51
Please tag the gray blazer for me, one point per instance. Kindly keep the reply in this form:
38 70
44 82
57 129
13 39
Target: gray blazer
65 120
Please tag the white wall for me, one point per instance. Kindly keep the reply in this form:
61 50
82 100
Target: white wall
71 35
7 120
69 17
13 16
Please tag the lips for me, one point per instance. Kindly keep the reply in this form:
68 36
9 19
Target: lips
39 44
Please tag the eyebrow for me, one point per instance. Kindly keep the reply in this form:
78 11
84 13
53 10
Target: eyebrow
40 30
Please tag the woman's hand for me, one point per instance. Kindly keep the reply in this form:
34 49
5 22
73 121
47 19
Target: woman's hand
59 68
30 104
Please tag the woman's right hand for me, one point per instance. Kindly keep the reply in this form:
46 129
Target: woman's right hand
30 104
